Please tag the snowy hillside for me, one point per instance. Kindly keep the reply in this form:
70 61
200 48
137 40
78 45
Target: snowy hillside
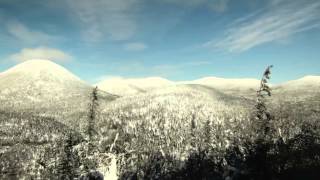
41 69
42 101
238 87
44 87
223 83
303 89
244 88
305 82
177 103
182 98
121 86
38 80
173 108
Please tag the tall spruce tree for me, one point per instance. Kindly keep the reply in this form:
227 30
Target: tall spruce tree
258 160
88 161
263 116
69 162
91 119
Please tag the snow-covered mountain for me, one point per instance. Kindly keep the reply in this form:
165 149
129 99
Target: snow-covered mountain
38 81
42 82
42 85
306 86
122 86
304 82
226 84
304 89
242 87
40 70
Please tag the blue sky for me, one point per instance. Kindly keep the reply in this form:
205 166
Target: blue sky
175 39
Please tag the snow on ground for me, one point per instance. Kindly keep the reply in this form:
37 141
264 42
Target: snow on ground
110 172
122 86
306 81
38 68
223 83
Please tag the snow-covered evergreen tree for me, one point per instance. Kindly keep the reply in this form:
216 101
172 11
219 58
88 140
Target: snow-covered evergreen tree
69 161
263 116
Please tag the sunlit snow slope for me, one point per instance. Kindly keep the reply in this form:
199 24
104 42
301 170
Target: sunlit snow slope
42 85
121 86
306 88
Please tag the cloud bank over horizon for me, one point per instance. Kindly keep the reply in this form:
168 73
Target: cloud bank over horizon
41 53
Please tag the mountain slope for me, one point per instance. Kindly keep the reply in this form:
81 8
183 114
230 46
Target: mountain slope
37 81
303 89
43 87
302 83
174 113
222 83
121 86
177 103
237 87
23 139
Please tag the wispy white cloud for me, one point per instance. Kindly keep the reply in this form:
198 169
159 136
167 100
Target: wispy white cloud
117 20
41 53
273 24
136 46
101 19
23 34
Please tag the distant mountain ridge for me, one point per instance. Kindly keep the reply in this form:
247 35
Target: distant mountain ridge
224 83
47 77
243 86
304 81
121 86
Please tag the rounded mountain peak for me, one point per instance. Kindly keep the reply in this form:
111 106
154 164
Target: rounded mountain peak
41 68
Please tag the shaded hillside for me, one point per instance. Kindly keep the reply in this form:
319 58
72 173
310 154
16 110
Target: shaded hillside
23 138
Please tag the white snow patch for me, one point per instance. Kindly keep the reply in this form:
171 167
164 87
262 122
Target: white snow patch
223 83
122 86
39 68
305 81
110 172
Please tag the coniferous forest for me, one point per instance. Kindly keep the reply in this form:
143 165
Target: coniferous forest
179 132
